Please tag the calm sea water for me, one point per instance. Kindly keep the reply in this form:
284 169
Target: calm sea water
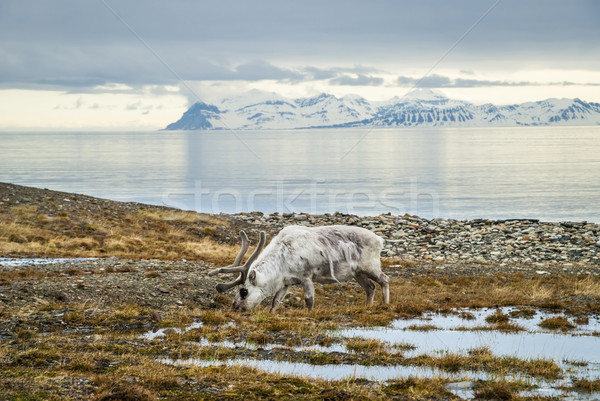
551 174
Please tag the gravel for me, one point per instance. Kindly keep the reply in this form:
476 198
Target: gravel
447 240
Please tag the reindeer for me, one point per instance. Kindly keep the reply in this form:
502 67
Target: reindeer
301 255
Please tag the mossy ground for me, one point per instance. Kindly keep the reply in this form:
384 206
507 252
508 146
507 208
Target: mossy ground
88 346
86 350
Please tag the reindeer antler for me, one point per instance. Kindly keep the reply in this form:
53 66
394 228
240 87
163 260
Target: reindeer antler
235 268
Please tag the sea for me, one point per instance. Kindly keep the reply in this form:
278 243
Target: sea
545 173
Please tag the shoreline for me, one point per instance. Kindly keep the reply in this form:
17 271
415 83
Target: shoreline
407 238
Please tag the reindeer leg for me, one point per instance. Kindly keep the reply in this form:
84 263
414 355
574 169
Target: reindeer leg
368 286
278 298
384 282
309 293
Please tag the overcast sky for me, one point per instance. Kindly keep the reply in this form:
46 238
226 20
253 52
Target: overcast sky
139 64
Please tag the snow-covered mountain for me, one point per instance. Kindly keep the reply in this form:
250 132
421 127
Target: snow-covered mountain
421 107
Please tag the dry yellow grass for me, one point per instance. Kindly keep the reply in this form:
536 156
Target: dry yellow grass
145 233
366 345
557 323
180 216
586 385
539 291
587 287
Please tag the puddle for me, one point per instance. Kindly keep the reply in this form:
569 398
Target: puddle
463 389
329 372
157 333
466 391
521 345
461 385
17 262
566 349
534 343
454 321
151 335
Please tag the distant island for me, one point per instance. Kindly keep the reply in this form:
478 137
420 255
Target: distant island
258 110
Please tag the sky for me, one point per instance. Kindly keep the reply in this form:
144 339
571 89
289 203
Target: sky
132 64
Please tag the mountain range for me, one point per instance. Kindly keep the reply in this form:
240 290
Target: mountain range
257 110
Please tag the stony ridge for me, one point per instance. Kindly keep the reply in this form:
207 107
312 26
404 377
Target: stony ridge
406 237
447 240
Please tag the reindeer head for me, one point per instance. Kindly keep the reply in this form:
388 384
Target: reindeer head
237 268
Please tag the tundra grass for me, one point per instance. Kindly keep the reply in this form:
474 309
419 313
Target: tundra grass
97 352
335 305
148 233
106 369
557 323
586 385
499 390
122 366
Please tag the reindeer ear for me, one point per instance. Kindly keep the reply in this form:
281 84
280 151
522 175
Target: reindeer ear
252 277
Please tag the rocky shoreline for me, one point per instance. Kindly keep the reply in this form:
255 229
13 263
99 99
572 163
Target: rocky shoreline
447 241
408 238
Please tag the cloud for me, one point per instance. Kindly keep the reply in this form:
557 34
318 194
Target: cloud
359 80
76 105
134 106
139 106
358 75
439 81
75 45
259 70
430 81
318 74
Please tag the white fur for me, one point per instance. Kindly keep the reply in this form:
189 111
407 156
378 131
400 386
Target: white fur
299 255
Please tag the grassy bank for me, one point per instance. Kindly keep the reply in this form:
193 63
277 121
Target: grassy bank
42 223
